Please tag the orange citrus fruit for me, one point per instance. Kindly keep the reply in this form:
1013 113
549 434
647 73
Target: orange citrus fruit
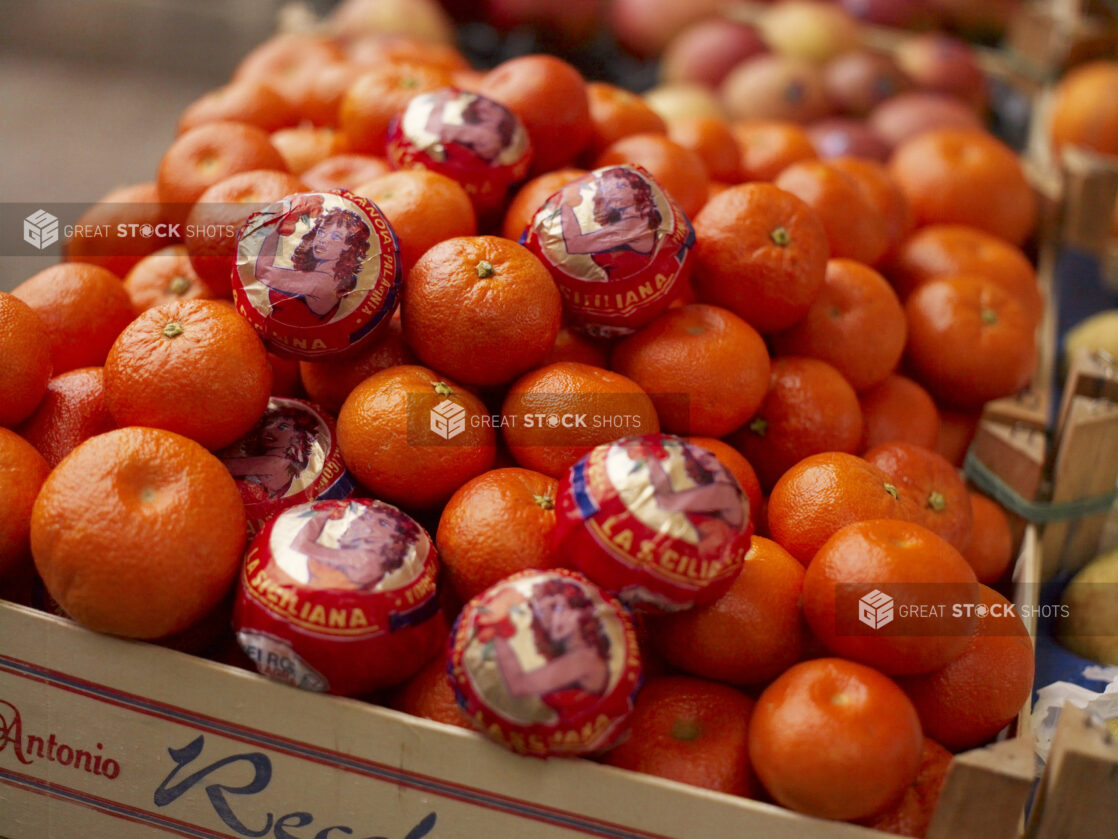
760 252
823 493
25 348
494 525
749 635
22 472
72 411
856 324
84 308
834 739
976 695
481 309
194 367
918 566
386 439
692 731
809 408
139 532
541 414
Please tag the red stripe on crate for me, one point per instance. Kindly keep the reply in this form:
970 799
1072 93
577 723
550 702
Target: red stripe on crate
104 805
485 799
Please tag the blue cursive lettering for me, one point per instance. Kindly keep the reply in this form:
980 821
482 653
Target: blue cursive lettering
170 790
164 795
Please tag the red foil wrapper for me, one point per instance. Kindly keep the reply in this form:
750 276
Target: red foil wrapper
340 596
289 458
468 137
618 246
655 520
317 273
546 663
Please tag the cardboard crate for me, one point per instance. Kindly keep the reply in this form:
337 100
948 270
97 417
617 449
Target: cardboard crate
172 744
104 737
1079 189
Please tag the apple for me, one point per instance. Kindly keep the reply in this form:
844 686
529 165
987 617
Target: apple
943 64
707 50
424 20
570 20
683 100
842 136
858 81
644 27
915 112
773 86
808 29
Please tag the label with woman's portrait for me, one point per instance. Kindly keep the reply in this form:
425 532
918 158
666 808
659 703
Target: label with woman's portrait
548 660
618 246
289 457
349 586
466 136
657 519
355 567
317 273
459 127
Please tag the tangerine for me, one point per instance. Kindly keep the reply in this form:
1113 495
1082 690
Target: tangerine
83 307
194 367
482 309
612 405
760 252
26 350
706 369
494 525
22 472
139 532
809 408
749 635
834 739
385 436
918 567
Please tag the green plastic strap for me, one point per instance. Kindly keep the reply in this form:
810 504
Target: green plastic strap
1040 512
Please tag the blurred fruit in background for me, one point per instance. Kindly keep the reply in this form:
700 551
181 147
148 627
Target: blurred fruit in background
1083 112
1090 628
705 51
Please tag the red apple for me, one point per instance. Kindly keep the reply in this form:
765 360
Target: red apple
915 112
858 81
571 20
774 87
808 29
843 136
707 50
645 26
424 20
943 64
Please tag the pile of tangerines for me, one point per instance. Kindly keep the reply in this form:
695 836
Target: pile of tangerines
844 324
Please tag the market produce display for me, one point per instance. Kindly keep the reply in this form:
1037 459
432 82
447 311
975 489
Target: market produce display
617 425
